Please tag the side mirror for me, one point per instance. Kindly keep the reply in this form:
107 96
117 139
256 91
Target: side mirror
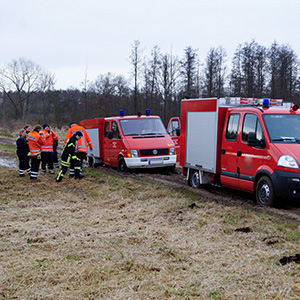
110 135
178 131
254 142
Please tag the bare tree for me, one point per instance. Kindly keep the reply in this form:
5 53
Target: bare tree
169 75
189 65
214 73
136 59
19 80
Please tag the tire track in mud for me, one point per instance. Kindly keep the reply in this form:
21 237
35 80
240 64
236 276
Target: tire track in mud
289 212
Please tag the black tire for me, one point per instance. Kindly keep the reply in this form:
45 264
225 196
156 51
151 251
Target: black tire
194 180
172 169
264 192
91 162
122 165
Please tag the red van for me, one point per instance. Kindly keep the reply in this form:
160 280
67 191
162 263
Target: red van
131 142
246 144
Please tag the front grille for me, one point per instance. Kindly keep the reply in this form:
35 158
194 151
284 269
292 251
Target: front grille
152 152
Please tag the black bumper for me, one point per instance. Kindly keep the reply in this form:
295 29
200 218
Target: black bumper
286 184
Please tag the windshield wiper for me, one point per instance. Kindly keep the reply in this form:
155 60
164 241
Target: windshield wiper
152 133
282 139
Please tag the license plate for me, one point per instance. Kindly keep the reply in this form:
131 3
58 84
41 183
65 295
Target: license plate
155 161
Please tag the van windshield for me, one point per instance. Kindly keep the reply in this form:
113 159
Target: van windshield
142 126
283 128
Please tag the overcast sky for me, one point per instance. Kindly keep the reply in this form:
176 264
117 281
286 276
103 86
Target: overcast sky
68 37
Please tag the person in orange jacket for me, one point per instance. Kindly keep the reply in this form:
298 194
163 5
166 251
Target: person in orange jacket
82 146
35 142
47 149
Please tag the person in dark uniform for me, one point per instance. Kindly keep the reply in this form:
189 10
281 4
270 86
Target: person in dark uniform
68 157
23 153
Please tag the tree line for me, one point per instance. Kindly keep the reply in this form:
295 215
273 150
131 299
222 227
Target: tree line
158 82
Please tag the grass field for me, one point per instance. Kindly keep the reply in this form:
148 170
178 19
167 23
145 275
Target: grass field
111 237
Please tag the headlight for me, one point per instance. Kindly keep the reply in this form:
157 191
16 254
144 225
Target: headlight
134 153
172 151
287 161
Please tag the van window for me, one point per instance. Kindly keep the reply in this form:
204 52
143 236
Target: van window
251 124
106 129
115 130
232 127
172 128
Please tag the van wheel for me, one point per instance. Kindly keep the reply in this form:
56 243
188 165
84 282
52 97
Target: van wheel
264 192
91 162
122 165
194 180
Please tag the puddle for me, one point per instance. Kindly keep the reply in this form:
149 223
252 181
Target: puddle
9 162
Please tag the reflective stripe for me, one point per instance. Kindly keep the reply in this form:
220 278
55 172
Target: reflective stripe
47 148
65 164
35 152
31 138
81 149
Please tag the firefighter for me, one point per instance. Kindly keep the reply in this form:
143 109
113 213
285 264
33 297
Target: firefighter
35 141
82 145
23 153
69 157
47 149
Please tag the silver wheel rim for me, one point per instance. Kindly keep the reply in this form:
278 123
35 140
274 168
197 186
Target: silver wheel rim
264 193
195 179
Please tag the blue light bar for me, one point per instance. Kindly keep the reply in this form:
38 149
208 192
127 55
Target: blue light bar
147 112
266 102
121 113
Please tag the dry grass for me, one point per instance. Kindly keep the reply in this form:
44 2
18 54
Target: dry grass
107 237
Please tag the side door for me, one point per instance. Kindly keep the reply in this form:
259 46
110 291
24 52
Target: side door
106 144
252 157
229 152
115 143
173 130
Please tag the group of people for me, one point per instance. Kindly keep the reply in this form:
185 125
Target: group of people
40 146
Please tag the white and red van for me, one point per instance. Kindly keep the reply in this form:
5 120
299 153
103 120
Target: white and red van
246 144
131 142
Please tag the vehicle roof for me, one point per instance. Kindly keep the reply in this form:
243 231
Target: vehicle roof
132 117
269 110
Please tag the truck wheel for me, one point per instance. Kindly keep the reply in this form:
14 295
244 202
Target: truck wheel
264 192
194 179
122 165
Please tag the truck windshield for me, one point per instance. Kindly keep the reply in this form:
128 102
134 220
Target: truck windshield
283 128
142 126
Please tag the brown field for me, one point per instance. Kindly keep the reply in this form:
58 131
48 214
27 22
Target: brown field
111 237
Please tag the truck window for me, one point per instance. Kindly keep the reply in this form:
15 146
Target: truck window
115 130
251 124
232 127
283 128
106 126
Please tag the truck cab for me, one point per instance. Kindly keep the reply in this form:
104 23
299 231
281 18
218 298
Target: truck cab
260 152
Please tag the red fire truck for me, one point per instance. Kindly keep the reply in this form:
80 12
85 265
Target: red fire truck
246 144
139 141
